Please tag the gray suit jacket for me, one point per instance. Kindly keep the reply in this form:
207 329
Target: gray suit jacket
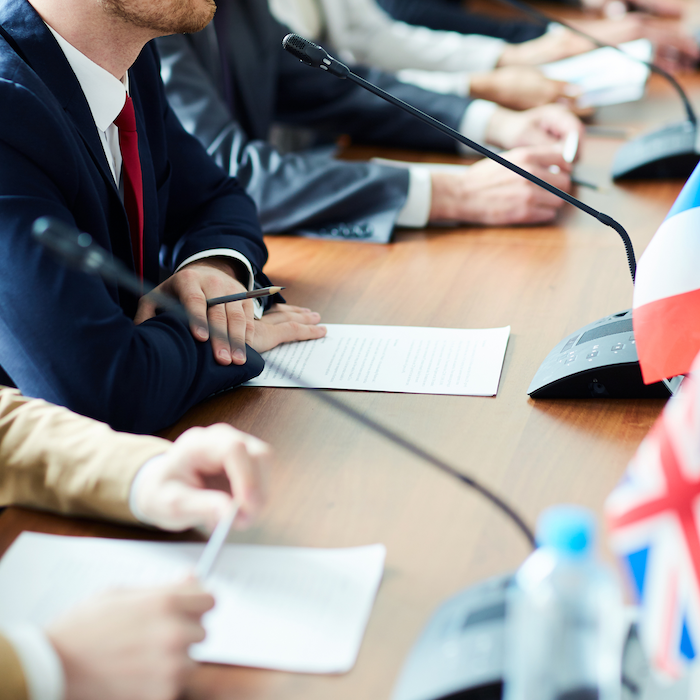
229 83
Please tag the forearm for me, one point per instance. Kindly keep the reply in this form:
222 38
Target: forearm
56 460
406 46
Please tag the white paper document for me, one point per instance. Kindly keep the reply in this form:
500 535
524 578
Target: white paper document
398 359
285 608
606 75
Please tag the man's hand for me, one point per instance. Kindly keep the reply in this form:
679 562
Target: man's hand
616 8
551 46
196 480
674 49
231 324
521 87
284 323
487 193
540 126
131 645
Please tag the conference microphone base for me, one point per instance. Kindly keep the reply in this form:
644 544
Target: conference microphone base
669 152
461 653
598 361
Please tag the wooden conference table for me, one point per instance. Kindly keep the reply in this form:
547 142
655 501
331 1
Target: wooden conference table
338 485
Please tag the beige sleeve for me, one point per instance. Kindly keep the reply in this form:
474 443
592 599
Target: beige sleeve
12 683
54 459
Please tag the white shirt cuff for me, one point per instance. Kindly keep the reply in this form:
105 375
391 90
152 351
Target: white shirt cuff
43 671
416 210
228 253
475 122
437 81
135 511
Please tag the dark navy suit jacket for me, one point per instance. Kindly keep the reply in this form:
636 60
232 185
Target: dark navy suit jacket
67 337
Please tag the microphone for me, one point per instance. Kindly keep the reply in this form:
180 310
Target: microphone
586 371
317 57
672 151
77 250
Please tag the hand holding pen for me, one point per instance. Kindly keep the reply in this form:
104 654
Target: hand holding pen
230 327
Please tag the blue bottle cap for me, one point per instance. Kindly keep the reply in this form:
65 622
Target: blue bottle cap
567 529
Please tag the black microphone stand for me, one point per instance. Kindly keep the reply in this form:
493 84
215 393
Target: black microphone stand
600 359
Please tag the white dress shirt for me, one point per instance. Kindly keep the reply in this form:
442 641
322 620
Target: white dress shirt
363 33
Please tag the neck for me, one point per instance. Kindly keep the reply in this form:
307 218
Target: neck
108 41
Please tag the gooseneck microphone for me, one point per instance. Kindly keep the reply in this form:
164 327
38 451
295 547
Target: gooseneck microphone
317 57
77 250
600 359
669 152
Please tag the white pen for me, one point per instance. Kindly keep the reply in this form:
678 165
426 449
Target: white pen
216 542
570 147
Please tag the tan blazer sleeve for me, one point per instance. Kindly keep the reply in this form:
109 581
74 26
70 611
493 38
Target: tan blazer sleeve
54 459
12 683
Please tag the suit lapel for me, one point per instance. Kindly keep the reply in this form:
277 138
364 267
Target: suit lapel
45 57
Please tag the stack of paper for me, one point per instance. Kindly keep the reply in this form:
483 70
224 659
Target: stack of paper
392 358
284 608
606 76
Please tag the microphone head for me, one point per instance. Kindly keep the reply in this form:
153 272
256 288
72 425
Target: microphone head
306 51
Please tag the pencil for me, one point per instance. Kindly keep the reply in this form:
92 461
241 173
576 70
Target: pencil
255 294
213 548
590 185
612 132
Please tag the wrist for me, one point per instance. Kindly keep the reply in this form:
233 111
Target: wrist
511 56
445 197
498 127
480 86
137 503
230 266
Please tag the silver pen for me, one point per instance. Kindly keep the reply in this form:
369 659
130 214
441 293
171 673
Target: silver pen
213 547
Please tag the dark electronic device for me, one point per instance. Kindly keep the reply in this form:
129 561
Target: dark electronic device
598 361
459 655
614 378
668 152
672 151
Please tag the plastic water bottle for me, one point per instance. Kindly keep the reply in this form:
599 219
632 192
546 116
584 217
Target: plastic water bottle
564 631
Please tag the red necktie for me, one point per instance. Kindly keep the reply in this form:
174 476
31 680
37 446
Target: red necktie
133 185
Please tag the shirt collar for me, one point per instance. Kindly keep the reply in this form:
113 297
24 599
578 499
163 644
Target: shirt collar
104 93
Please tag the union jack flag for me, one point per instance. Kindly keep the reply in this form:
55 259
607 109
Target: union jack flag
654 518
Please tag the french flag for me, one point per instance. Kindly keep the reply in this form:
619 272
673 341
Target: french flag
666 305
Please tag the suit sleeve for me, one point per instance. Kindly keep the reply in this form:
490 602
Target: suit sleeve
12 682
68 337
308 193
314 98
53 459
372 37
452 16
